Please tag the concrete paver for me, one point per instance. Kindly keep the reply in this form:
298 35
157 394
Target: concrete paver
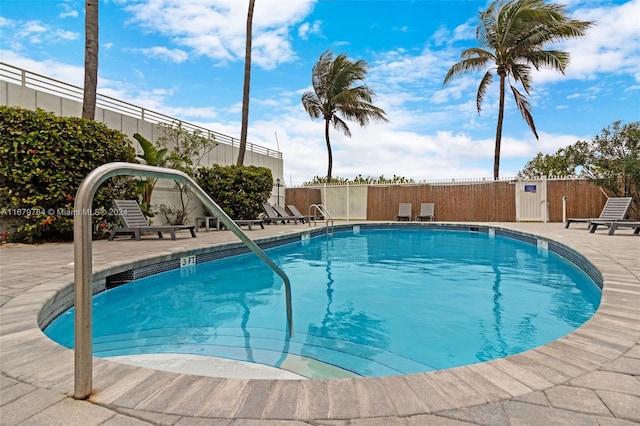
621 405
576 399
589 377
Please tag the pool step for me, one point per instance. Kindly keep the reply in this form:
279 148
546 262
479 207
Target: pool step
309 355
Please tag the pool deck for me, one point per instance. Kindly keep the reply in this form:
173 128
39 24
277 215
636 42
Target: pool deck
589 377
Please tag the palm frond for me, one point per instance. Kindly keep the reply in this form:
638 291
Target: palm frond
362 112
525 109
478 53
522 74
482 89
557 60
467 65
311 104
320 73
341 126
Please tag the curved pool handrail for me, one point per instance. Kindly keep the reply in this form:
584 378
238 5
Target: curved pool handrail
320 208
83 350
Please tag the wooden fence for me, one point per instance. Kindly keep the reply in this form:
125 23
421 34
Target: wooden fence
466 202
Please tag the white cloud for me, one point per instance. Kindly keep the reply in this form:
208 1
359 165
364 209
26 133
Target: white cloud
444 36
217 28
271 48
307 29
68 12
400 67
172 55
64 72
34 32
611 46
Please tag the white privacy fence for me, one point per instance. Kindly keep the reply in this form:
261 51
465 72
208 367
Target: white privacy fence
347 202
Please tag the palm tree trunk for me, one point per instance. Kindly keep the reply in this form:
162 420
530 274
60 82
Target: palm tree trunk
326 137
496 156
247 84
90 59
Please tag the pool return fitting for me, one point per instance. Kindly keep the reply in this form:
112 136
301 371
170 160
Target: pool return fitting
82 253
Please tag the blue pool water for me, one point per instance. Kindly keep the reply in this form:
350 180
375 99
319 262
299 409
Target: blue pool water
375 302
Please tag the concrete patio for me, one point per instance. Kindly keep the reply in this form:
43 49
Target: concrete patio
589 377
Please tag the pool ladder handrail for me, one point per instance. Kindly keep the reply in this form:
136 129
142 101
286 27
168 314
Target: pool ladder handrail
83 254
322 210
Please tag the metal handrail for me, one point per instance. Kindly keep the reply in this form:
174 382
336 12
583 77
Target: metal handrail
83 254
323 212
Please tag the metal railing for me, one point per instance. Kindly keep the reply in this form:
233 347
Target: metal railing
83 350
319 210
55 87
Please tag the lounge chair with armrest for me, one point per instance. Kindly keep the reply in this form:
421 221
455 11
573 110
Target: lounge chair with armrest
613 225
615 209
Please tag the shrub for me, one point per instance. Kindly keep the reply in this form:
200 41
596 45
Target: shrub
43 160
239 190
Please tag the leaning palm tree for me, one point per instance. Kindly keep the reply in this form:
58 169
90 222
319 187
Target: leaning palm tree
335 92
512 36
247 85
90 59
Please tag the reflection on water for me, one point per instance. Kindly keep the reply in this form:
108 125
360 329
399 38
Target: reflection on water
377 303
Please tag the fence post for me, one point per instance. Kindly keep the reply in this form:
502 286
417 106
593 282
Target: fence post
564 209
348 205
323 199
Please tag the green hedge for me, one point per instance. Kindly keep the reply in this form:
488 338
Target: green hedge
239 190
43 160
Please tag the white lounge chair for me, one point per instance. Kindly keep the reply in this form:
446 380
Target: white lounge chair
426 212
404 211
613 225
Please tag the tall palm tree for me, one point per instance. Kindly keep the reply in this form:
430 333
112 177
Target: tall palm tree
512 36
90 59
335 93
247 81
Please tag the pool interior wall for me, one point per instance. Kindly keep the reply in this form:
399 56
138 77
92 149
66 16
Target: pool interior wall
155 266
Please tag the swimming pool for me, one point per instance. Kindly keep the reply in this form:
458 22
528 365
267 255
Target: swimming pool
368 301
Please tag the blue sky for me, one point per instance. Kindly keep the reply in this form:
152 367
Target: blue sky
186 58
